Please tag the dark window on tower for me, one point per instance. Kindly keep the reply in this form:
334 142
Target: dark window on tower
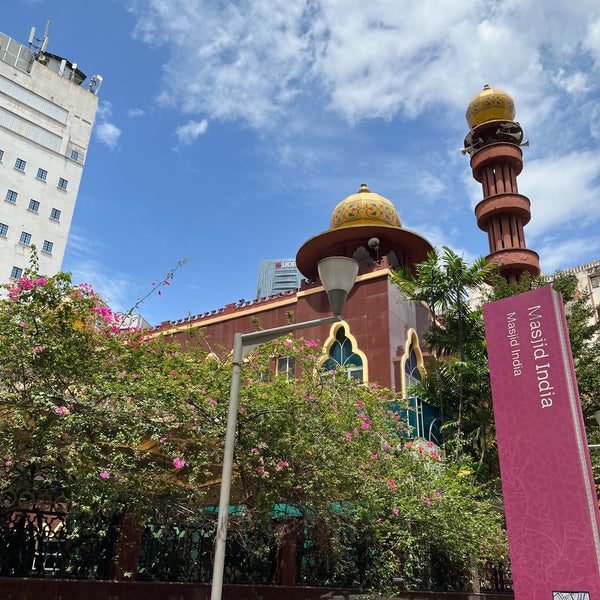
42 174
55 214
34 206
20 164
16 273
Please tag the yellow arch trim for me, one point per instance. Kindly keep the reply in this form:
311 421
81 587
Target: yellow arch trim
412 343
331 339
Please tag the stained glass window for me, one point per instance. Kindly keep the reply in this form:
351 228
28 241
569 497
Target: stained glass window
341 354
413 375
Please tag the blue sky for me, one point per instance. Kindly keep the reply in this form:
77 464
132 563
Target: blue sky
228 131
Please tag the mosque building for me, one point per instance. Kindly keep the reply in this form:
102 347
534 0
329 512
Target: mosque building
380 337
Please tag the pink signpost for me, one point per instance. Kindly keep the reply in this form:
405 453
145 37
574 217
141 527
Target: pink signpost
549 497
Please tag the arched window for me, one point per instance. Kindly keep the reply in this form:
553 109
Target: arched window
342 354
412 373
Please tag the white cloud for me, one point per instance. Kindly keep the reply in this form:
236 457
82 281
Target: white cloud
135 112
591 42
561 255
191 131
364 60
104 110
564 191
115 288
108 133
575 83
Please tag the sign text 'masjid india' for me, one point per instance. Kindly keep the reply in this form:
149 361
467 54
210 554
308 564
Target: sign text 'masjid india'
549 497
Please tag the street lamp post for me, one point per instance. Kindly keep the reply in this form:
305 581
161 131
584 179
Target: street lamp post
337 274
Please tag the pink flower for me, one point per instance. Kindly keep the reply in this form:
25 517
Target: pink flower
365 425
387 456
178 463
8 462
162 440
41 281
212 401
355 430
288 343
23 324
282 464
438 494
430 444
360 403
174 372
393 485
435 455
62 411
262 471
254 450
409 445
310 398
242 410
348 436
395 510
104 474
134 376
374 456
374 387
387 446
427 501
421 448
38 349
248 382
310 344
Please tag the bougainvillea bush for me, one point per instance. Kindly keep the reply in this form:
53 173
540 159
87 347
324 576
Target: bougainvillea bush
110 422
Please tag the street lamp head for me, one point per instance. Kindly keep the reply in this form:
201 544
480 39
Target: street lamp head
337 274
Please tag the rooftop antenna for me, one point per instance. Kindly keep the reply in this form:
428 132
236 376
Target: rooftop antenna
39 44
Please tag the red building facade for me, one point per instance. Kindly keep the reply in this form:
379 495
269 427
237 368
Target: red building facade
382 329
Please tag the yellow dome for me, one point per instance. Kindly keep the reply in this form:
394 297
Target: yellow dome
491 104
364 208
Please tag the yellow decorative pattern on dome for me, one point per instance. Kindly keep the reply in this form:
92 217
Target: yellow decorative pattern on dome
491 104
364 208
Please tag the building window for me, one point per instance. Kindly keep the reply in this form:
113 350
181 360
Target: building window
47 247
25 238
11 196
20 164
74 155
411 370
1 155
55 214
42 174
595 281
3 230
412 362
285 366
16 273
34 206
63 183
342 354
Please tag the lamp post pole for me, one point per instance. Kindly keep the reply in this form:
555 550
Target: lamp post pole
337 275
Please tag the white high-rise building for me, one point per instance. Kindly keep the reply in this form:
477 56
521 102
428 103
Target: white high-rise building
46 119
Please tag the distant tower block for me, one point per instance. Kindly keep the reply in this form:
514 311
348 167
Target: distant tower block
494 144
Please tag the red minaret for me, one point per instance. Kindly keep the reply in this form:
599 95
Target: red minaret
494 144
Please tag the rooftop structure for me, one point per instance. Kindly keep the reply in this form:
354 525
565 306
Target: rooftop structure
46 119
494 144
